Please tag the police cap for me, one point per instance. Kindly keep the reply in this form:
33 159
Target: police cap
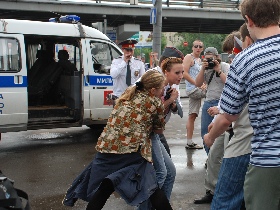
128 44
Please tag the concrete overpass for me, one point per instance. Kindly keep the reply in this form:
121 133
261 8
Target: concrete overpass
204 16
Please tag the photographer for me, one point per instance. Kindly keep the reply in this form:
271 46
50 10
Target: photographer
213 73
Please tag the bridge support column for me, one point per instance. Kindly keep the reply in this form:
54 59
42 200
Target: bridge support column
157 28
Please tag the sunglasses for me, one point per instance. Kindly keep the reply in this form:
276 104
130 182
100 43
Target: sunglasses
198 46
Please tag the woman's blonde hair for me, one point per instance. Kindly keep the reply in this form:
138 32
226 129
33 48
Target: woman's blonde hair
151 79
167 63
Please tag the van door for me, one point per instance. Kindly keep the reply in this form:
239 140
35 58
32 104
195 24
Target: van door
13 83
98 82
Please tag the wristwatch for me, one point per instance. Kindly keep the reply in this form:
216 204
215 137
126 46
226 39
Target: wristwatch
220 73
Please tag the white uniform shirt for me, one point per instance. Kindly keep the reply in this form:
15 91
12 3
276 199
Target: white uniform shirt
118 73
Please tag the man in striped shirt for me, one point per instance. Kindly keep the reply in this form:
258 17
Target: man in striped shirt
254 78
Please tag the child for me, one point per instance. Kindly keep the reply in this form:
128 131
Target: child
123 162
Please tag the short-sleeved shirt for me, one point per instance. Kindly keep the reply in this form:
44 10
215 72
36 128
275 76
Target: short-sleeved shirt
216 85
254 77
118 73
130 125
240 143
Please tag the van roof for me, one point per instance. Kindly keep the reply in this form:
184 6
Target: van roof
48 28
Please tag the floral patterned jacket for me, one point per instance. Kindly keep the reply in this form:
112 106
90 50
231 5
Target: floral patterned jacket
130 125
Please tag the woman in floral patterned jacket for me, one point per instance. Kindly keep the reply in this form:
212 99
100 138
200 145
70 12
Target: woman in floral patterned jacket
124 161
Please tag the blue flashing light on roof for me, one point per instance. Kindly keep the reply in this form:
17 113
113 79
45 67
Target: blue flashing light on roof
69 18
54 20
65 19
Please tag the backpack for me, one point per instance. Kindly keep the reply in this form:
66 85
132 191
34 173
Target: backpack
10 197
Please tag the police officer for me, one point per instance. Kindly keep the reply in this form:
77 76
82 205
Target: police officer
126 69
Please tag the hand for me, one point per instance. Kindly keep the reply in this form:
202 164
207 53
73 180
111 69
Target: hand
174 94
209 142
203 87
204 64
127 57
173 107
212 111
217 67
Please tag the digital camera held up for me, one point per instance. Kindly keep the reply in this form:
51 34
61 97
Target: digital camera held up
211 63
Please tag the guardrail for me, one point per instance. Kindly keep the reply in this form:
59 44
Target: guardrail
225 4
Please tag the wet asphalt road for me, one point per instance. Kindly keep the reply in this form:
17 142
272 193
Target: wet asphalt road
45 162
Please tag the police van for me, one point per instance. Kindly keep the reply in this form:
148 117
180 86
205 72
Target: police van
54 74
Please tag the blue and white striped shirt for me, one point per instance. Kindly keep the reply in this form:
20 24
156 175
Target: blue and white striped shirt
254 77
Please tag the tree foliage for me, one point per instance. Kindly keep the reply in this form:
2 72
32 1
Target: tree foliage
209 40
147 50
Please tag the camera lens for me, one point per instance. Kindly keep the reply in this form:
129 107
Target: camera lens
211 63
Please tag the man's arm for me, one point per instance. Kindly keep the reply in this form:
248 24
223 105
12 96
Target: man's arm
200 77
142 69
221 124
117 67
187 63
222 70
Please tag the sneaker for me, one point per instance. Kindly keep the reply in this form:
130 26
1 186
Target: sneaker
193 146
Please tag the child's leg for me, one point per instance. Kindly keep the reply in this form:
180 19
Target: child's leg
101 195
159 200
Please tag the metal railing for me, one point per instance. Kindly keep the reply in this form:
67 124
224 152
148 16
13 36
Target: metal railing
224 4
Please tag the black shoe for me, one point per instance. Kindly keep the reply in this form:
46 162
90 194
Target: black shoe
207 198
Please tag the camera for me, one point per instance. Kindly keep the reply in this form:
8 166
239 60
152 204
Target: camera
168 93
211 63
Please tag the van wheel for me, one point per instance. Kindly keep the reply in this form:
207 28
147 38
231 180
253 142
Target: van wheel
97 126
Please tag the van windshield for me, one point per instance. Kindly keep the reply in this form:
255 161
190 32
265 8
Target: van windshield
9 55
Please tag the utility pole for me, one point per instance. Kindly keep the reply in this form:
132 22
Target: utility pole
157 28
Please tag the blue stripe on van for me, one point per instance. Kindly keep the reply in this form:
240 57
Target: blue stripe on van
8 81
97 80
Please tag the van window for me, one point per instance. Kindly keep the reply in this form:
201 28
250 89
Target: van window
9 55
73 53
102 56
115 53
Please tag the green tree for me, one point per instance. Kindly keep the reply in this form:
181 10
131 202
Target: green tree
209 40
143 51
163 42
147 50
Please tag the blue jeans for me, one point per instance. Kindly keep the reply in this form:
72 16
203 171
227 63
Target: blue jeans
229 192
165 170
206 119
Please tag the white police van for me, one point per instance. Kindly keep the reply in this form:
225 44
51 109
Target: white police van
39 88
